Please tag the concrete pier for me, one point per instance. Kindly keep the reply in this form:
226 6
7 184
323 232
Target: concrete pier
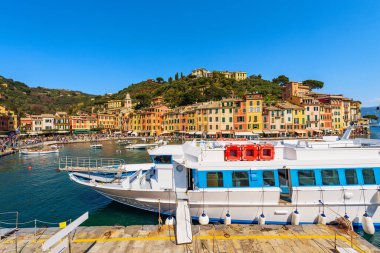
210 238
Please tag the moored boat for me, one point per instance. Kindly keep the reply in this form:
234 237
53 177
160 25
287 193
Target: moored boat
279 182
96 146
38 152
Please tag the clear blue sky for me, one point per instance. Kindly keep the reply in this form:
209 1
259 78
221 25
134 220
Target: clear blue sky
103 46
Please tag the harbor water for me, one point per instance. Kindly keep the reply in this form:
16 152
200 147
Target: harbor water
32 186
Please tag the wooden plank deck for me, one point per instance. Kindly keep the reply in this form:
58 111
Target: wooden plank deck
210 238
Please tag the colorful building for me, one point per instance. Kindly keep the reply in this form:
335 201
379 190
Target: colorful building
254 109
62 122
273 121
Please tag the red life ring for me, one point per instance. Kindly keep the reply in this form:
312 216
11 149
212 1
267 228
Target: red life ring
266 152
250 152
232 153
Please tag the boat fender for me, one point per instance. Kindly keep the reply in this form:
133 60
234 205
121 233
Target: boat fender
262 219
203 219
367 223
170 221
295 218
322 219
228 219
348 195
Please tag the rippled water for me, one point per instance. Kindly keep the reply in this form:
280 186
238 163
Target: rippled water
45 194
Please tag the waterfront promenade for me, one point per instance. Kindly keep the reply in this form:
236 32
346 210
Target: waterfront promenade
209 238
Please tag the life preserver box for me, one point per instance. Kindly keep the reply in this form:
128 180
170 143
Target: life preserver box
266 152
249 152
232 153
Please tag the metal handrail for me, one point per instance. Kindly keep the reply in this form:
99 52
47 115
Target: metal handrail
89 162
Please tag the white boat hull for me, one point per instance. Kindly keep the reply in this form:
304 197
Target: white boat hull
242 212
24 152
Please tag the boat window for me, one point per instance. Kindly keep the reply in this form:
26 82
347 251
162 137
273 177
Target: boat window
214 179
240 179
268 178
330 177
306 178
162 159
368 176
351 177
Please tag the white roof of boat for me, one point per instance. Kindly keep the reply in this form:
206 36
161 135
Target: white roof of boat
167 150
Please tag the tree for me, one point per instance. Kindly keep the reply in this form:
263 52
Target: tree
313 84
181 75
159 80
170 80
176 76
281 80
371 116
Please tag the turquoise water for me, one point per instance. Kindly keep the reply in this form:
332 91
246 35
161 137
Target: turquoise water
45 194
374 239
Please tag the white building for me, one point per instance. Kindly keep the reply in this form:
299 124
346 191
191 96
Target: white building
47 121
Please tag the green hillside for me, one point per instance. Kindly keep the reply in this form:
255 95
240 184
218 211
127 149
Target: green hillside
182 90
20 98
188 89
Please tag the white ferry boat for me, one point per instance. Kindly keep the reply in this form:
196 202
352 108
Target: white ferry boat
265 182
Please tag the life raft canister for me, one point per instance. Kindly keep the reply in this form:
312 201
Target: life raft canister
266 152
250 152
232 153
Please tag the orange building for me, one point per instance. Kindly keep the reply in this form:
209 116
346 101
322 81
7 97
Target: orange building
82 124
240 116
152 120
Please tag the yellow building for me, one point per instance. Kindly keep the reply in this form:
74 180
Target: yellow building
294 118
135 122
8 120
234 75
254 112
107 121
114 104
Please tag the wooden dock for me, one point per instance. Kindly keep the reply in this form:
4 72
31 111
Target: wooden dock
209 238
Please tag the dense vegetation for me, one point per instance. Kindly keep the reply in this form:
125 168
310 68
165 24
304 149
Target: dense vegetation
22 99
178 91
185 90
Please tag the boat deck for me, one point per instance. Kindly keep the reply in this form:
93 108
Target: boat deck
209 238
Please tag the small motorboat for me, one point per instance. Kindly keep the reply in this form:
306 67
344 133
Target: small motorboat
123 142
96 146
140 146
38 152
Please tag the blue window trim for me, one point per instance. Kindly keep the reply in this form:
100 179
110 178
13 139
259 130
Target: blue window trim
362 178
339 176
200 178
341 173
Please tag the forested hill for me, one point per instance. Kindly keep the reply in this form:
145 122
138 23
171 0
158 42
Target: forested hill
20 98
187 90
182 90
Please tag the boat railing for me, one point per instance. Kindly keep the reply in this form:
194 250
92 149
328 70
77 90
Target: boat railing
89 163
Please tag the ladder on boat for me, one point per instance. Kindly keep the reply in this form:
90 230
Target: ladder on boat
183 230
